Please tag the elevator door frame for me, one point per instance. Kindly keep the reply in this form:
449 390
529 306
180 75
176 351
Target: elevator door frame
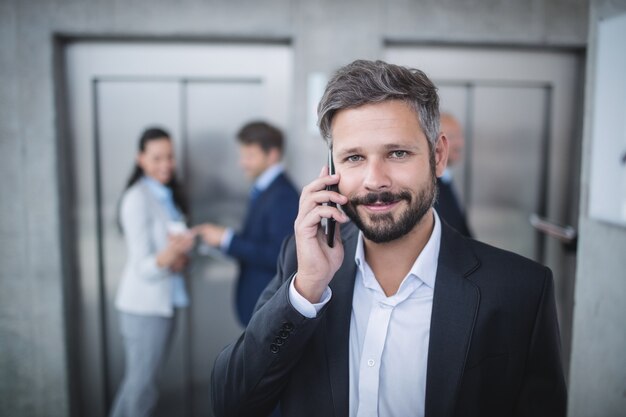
470 65
87 325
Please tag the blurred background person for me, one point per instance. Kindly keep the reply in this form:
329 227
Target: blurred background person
152 289
448 205
272 209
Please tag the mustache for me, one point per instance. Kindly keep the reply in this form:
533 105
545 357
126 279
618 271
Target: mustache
385 197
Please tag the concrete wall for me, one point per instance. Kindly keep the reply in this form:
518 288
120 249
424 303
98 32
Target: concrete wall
325 34
598 363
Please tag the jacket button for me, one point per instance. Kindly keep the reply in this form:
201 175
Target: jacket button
279 342
283 334
274 349
288 326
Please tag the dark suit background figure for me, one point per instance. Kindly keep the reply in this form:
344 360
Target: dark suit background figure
449 208
448 205
272 210
268 221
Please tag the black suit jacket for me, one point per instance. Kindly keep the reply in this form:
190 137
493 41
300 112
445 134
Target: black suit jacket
268 222
449 208
494 345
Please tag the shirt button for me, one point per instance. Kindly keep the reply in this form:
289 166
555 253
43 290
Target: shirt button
371 362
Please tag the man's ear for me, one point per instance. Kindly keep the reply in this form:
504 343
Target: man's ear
275 155
441 154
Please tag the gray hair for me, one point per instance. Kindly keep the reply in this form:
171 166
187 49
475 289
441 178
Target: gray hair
363 82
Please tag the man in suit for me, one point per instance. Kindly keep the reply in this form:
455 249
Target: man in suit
448 205
402 316
272 209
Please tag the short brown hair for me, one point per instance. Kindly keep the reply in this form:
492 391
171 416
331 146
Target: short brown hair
363 82
263 134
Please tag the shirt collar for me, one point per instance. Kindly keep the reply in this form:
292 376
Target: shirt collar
425 266
265 179
159 190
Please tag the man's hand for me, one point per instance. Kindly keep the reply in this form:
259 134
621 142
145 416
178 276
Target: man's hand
317 262
211 233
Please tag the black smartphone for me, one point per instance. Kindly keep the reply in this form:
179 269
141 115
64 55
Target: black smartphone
329 228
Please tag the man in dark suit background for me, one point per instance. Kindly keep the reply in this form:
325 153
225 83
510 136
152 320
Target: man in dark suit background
401 315
448 205
272 209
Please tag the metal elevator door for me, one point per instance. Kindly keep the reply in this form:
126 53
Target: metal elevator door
202 94
520 113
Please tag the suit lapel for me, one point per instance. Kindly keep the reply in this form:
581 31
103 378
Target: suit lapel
455 305
338 328
255 205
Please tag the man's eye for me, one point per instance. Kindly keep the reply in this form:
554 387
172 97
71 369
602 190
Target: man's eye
354 158
399 154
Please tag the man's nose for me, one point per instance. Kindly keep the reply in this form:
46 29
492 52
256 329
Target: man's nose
376 175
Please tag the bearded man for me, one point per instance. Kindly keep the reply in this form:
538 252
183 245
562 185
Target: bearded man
402 315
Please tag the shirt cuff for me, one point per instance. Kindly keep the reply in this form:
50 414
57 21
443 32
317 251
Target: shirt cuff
304 306
227 237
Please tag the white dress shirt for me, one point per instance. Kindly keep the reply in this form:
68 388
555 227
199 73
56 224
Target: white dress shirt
388 335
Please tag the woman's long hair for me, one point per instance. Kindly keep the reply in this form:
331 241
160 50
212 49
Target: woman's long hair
148 135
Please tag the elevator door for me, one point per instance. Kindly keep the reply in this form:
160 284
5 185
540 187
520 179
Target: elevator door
201 94
519 112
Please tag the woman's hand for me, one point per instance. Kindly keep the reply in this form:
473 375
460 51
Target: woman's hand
178 245
180 263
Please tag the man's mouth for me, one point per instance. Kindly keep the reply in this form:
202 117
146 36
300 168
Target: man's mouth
380 206
380 202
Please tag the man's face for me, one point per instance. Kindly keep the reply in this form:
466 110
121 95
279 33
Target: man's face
387 170
254 160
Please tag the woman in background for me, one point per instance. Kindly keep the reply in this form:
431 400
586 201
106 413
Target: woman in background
152 288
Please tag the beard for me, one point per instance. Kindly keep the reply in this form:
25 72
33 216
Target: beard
383 228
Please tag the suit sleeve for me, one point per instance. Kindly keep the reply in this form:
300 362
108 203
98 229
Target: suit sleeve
543 391
279 224
250 374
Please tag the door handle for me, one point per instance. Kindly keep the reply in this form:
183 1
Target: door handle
565 234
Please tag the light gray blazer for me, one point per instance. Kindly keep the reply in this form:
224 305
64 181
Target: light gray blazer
144 287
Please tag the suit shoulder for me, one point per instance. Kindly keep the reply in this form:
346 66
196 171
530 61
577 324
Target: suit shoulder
501 261
134 196
283 189
494 252
286 184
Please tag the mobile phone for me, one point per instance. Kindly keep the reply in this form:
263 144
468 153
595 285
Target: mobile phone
329 227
